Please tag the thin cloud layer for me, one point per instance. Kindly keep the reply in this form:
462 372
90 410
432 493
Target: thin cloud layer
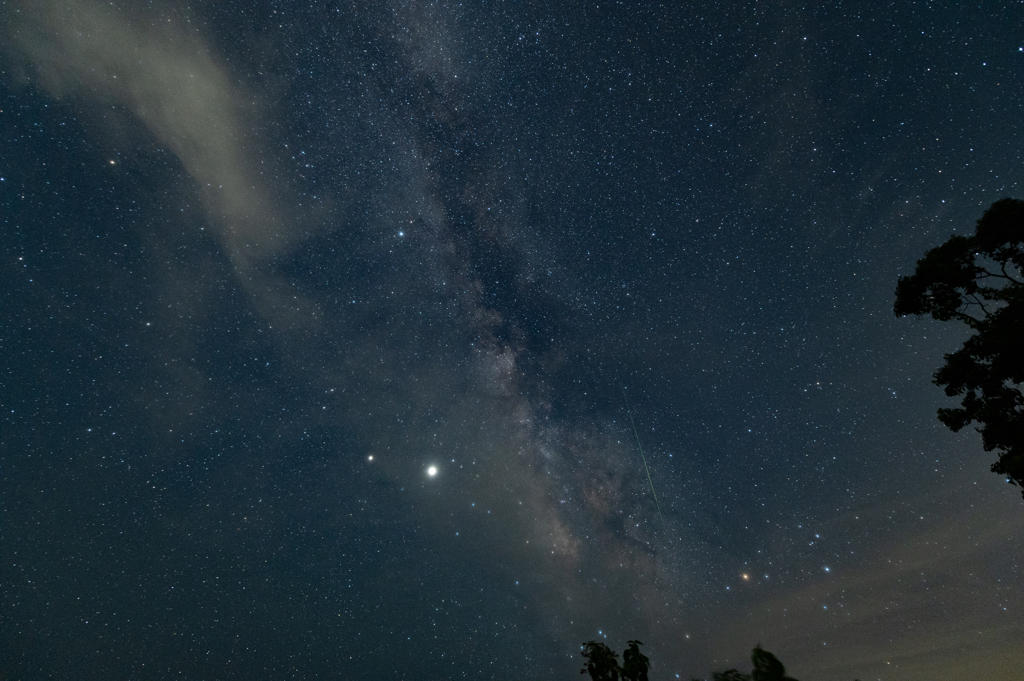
165 74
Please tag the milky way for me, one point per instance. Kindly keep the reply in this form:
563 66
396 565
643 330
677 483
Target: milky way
327 324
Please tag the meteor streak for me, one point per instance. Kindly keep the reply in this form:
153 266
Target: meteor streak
630 412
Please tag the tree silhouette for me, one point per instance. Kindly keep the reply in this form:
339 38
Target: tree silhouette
602 663
979 281
766 668
634 663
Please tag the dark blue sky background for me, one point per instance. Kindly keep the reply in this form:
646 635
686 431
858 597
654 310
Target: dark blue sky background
264 265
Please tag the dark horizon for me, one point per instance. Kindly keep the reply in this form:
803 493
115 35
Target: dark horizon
321 322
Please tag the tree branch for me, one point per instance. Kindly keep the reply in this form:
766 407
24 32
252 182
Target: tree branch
1007 275
979 304
1004 275
967 319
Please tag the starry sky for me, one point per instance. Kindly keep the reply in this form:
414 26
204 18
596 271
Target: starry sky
326 326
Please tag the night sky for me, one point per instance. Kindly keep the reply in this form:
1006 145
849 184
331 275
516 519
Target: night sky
321 320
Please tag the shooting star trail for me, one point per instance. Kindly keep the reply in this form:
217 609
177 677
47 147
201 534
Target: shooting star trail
642 456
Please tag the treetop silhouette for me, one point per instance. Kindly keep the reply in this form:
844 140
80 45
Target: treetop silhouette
979 280
602 664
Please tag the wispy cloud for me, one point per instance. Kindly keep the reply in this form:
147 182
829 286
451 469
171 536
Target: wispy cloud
166 75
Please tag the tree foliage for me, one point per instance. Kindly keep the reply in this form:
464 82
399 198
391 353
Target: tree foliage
767 667
603 665
979 281
602 662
